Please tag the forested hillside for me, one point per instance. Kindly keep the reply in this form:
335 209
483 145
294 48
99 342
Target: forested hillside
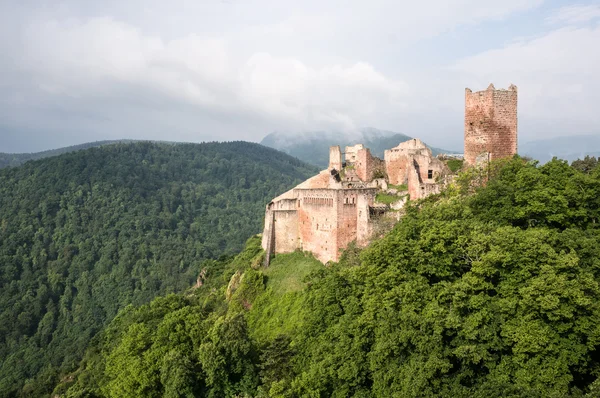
489 291
86 233
17 159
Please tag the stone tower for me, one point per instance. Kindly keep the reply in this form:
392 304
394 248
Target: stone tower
490 124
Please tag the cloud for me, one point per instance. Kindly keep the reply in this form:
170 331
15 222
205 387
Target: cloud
575 14
189 70
87 59
557 76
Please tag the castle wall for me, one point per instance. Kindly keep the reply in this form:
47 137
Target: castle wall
414 184
367 165
353 217
335 158
396 166
363 230
286 238
317 222
346 220
490 123
351 153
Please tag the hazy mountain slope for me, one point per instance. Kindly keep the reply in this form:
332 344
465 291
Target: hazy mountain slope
568 147
313 147
86 233
17 159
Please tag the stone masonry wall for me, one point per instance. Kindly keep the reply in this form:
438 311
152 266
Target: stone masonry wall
490 123
396 168
317 222
335 158
353 217
286 231
367 165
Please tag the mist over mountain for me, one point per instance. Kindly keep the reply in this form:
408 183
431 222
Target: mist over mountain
313 147
565 147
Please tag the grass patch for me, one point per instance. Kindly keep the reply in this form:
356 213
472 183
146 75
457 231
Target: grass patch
386 198
280 309
286 271
455 164
401 187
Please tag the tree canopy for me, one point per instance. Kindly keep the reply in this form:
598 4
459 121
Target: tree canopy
85 234
486 290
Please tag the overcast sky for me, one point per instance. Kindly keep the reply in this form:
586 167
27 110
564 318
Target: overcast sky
194 70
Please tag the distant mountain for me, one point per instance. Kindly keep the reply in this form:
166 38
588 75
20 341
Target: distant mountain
313 147
568 147
17 159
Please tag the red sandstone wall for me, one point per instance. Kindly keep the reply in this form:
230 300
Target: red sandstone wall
317 223
490 123
414 184
367 165
396 169
347 220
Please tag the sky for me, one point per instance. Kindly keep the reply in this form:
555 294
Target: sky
77 71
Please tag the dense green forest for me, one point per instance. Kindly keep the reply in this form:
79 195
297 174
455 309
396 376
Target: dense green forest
17 159
482 291
84 234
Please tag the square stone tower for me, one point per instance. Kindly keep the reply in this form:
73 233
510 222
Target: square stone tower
490 124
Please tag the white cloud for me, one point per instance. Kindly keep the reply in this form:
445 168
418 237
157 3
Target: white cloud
240 69
557 75
575 14
85 59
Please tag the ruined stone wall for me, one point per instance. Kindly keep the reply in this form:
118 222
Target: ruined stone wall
363 220
367 165
399 160
350 153
335 158
414 184
396 167
347 219
490 123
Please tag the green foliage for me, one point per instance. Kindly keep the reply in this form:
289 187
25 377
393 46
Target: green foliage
467 296
488 290
455 164
401 187
386 198
280 310
585 165
84 234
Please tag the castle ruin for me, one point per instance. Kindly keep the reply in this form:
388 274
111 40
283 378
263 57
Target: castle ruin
490 124
338 206
327 212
